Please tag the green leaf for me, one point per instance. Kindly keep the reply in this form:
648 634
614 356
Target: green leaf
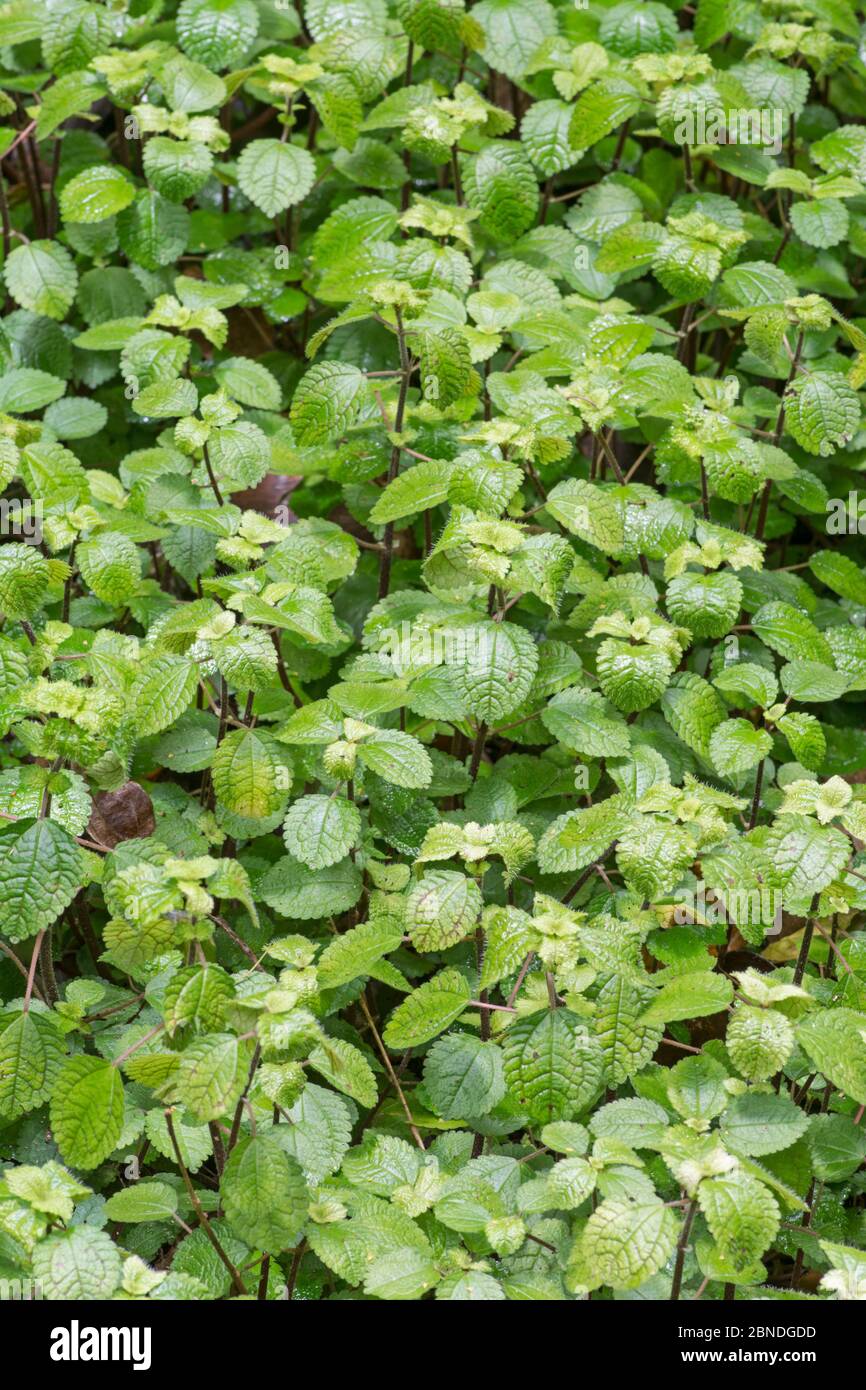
445 366
189 86
321 830
639 1123
41 871
327 402
742 1215
632 677
81 1264
31 1055
790 633
627 1040
109 565
145 1201
554 1066
693 710
602 109
625 1242
163 399
840 574
196 998
696 1088
464 1077
758 685
249 382
544 133
153 232
397 757
812 681
759 1041
318 1132
162 692
211 1075
584 721
822 412
822 223
756 1124
416 489
806 857
837 1146
275 175
358 951
246 657
264 1194
692 995
491 666
177 169
442 908
513 30
42 277
501 188
736 746
293 890
25 389
95 194
217 34
588 511
833 1039
708 604
428 1011
72 34
87 1110
347 1070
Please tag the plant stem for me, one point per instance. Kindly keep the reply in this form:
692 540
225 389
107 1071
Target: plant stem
520 978
239 1108
118 1061
800 968
682 1247
31 974
46 965
234 1273
756 800
392 1075
394 465
477 751
777 435
211 479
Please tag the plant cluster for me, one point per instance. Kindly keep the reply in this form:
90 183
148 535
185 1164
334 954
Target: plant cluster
432 810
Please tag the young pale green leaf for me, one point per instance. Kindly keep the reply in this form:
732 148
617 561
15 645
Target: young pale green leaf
41 277
624 1243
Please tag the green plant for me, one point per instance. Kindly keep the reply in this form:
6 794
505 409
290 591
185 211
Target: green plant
449 885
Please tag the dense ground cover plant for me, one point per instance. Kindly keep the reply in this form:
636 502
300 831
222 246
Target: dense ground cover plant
432 660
